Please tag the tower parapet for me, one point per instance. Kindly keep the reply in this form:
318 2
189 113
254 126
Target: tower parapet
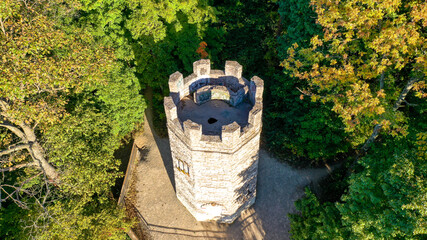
215 157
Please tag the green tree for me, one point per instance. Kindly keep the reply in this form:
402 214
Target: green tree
369 57
77 220
40 65
386 199
153 38
296 126
245 31
316 220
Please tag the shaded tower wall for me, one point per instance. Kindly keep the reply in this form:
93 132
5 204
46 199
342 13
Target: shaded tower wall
215 175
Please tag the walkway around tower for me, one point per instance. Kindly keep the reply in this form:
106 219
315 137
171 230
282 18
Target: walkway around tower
153 191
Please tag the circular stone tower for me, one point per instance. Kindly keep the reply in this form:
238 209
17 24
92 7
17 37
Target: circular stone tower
214 125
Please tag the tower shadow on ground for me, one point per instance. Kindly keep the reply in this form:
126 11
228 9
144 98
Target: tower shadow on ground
161 143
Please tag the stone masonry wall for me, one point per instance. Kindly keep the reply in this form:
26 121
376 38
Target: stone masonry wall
215 175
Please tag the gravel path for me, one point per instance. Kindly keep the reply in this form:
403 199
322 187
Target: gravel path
278 187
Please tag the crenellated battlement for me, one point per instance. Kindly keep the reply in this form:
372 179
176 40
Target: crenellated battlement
201 82
231 136
202 75
214 121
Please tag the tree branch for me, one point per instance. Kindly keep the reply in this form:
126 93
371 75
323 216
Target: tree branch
18 166
405 92
373 136
410 104
10 196
14 149
17 190
3 105
15 130
382 80
397 104
6 121
308 93
378 127
2 26
35 149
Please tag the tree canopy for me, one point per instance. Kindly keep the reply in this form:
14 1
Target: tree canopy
369 64
345 82
60 122
370 55
385 200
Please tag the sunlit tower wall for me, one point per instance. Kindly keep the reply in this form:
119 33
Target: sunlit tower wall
214 125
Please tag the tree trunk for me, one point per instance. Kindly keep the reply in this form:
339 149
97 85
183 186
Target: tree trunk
396 106
38 154
28 137
404 92
378 127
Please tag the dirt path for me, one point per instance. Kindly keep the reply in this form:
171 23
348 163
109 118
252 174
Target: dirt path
278 187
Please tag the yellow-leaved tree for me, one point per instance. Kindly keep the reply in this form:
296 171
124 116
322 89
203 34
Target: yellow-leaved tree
65 104
372 54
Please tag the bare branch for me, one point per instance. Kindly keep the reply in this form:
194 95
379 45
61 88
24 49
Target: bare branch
304 92
9 196
14 129
14 149
4 105
53 90
17 190
310 94
18 166
410 104
35 125
2 26
373 136
405 92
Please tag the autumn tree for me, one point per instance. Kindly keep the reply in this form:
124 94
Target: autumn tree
40 65
369 57
65 104
369 63
301 131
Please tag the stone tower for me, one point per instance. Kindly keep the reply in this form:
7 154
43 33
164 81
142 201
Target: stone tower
214 125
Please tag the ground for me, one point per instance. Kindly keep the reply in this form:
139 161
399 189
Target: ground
278 187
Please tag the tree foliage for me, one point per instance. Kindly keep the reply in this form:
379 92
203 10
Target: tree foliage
388 198
296 126
370 55
41 62
153 38
317 220
369 64
244 32
92 220
65 104
385 200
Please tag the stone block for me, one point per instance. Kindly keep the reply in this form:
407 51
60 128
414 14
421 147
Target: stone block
202 67
233 68
256 89
176 82
170 108
193 131
230 133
